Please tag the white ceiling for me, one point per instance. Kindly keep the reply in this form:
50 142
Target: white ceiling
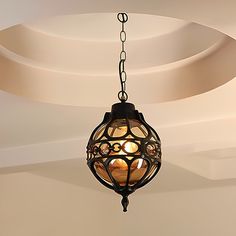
58 77
105 27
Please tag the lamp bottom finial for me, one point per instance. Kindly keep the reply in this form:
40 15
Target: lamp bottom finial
125 203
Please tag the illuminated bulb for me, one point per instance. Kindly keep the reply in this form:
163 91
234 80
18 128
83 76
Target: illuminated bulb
131 147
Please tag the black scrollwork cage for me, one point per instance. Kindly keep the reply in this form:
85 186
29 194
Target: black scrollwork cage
124 152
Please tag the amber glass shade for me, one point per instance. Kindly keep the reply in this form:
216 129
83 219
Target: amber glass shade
119 170
124 152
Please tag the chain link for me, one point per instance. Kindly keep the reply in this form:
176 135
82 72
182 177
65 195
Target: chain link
122 95
123 55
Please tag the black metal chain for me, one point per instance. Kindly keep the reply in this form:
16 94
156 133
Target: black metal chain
122 95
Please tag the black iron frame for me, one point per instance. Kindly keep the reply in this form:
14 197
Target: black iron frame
125 111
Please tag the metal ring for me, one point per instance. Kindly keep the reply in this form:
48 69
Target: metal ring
123 55
122 36
122 17
123 76
121 66
123 96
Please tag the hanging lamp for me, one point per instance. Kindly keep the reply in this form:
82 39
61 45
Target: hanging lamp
124 152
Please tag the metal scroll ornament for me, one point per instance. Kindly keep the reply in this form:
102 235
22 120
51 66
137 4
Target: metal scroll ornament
124 152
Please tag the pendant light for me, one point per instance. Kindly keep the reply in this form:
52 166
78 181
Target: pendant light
124 152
